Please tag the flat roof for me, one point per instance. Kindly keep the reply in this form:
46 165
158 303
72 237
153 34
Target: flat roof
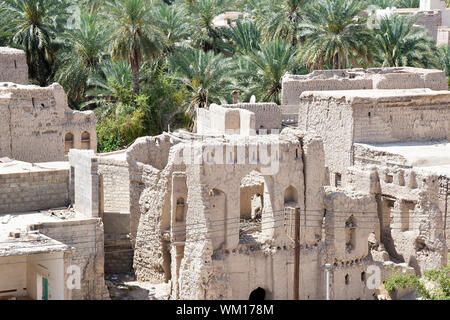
31 242
431 154
374 94
16 166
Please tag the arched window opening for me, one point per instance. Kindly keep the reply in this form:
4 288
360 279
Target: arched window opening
85 140
68 142
290 195
180 212
347 279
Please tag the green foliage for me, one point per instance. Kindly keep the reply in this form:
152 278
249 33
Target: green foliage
336 34
83 57
403 44
444 59
265 69
134 37
207 77
34 24
438 288
116 132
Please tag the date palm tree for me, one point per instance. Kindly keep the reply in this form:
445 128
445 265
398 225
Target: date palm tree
33 23
401 43
85 54
206 76
205 34
173 23
245 37
263 71
135 37
336 34
280 19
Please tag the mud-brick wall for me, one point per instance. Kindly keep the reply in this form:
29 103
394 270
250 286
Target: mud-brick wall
28 191
87 238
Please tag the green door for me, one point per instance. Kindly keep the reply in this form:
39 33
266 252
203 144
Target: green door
44 289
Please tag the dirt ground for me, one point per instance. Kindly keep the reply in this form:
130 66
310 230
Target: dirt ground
123 286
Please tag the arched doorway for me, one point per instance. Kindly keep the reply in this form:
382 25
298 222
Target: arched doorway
259 294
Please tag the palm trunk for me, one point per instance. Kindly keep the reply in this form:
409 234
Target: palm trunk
135 71
39 73
294 28
336 61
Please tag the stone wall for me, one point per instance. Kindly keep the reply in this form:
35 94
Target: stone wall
87 238
28 191
33 119
116 185
13 66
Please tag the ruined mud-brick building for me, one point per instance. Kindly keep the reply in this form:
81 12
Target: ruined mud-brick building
355 79
392 144
433 15
216 219
44 243
33 119
207 215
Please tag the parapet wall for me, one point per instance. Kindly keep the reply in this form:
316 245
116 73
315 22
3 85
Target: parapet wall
218 120
268 116
361 79
13 66
28 191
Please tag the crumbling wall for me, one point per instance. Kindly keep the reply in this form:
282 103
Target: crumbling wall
13 66
35 190
150 204
350 219
332 120
36 119
411 222
87 238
